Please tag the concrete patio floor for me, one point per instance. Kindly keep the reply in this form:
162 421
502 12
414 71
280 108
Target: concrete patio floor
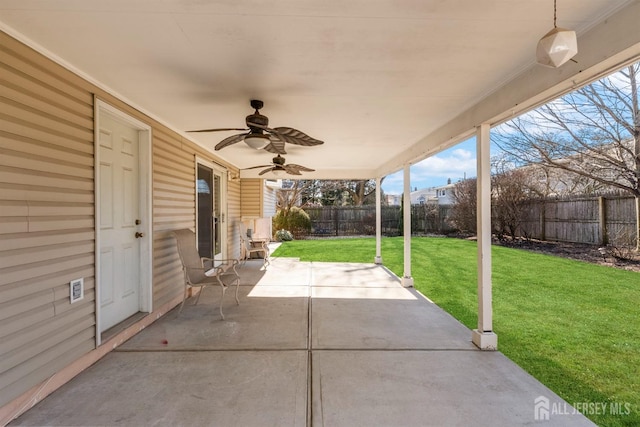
320 344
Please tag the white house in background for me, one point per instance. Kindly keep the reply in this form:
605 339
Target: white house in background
444 194
424 195
441 195
393 199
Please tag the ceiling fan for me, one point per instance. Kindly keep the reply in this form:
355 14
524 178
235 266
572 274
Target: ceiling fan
278 165
273 140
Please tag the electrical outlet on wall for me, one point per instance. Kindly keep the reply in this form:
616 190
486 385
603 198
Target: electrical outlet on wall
76 290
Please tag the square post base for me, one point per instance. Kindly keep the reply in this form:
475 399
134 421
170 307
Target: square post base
407 282
484 340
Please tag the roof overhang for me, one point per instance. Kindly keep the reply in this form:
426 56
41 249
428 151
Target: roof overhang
384 84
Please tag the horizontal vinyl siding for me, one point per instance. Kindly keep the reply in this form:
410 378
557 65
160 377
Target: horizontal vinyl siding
234 214
173 208
46 218
269 203
251 197
47 214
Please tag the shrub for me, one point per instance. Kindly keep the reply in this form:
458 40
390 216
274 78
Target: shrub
622 245
284 236
295 219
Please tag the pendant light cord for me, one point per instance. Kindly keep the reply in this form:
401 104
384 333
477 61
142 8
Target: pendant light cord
555 13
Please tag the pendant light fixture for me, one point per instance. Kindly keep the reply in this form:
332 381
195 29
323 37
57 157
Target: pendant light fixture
557 46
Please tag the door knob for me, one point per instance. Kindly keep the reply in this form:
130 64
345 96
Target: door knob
139 235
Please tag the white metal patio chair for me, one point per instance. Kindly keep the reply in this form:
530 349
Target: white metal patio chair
253 246
202 272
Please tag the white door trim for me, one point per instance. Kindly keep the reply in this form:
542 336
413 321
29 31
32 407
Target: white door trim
146 243
223 172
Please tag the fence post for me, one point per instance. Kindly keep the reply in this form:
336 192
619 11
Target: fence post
602 216
543 221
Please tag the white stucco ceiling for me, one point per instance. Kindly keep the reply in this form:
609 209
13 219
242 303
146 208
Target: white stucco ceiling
378 80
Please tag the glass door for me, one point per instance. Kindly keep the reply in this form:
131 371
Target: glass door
210 218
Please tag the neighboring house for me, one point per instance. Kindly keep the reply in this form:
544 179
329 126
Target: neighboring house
423 196
84 265
613 162
550 182
286 184
393 199
441 195
444 194
287 194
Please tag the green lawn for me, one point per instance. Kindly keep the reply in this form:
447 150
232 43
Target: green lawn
572 325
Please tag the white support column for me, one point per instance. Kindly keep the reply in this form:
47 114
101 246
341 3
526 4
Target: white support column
484 337
378 259
407 280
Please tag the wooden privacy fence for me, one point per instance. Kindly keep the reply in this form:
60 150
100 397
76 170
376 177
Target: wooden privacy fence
361 220
592 220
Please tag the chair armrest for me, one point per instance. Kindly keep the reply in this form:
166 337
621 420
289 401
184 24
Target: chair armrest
215 263
221 261
223 266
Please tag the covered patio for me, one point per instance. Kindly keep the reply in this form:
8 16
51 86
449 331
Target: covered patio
384 84
334 344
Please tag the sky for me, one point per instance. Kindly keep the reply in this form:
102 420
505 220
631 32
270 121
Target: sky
459 161
455 163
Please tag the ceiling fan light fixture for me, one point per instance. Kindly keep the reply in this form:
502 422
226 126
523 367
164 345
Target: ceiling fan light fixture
257 141
278 169
557 46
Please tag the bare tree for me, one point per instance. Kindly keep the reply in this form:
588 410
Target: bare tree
545 181
510 190
361 191
463 211
593 132
292 195
340 192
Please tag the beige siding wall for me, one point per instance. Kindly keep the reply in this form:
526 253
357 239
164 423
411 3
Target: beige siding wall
46 219
47 214
234 214
251 200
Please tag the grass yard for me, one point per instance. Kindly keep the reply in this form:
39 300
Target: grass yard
574 326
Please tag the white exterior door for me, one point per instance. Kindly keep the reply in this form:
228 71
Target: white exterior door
120 220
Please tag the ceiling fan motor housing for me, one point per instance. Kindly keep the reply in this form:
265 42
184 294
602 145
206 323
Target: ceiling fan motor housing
258 119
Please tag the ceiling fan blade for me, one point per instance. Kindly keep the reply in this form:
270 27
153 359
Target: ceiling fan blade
230 140
299 167
291 171
276 147
217 130
294 136
269 169
256 167
290 135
